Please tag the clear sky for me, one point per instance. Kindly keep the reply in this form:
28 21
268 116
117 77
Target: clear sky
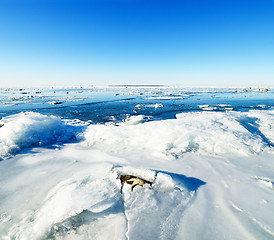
188 42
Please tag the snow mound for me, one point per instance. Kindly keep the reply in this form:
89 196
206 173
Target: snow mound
86 207
29 129
153 212
202 132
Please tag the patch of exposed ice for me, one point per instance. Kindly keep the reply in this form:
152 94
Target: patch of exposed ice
157 105
135 120
30 129
85 206
205 133
55 102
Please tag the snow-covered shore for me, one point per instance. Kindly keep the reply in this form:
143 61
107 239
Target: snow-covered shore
212 174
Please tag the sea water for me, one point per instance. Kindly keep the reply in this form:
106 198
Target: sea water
208 152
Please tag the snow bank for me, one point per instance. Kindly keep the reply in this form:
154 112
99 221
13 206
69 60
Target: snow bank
28 129
96 208
262 123
201 132
76 193
72 204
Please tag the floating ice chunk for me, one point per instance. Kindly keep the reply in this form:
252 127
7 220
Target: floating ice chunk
139 106
134 120
203 106
262 106
217 107
55 102
209 108
157 105
165 98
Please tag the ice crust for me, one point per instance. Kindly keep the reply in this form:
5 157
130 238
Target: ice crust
205 133
79 205
28 129
212 175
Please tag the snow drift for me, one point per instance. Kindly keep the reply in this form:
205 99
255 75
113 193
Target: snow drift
203 133
212 175
28 129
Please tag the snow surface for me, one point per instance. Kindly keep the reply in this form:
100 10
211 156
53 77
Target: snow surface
28 129
212 175
204 133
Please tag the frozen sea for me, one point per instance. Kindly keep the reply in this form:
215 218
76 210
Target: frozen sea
209 154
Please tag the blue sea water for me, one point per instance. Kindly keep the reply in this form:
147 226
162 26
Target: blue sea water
101 105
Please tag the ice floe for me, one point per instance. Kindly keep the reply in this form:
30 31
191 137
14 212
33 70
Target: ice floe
165 98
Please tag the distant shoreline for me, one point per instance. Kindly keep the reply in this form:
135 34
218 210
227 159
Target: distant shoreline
137 85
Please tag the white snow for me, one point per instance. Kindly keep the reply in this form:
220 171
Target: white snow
134 120
205 133
28 129
212 175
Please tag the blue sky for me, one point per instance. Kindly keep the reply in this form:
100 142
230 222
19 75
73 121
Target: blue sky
202 43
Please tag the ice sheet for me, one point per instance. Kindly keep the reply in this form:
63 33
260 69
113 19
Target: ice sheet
211 172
